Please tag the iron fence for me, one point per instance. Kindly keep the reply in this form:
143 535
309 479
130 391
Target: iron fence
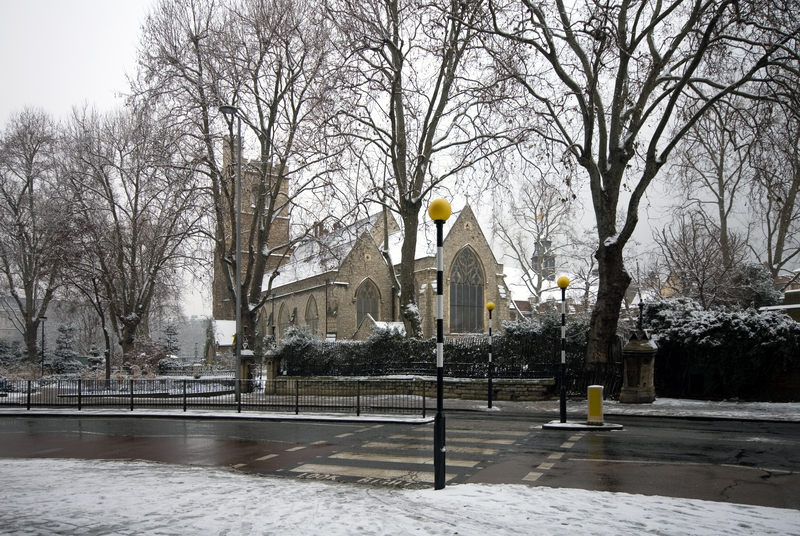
353 396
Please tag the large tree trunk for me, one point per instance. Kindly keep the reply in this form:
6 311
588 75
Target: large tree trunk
31 330
129 323
408 283
614 281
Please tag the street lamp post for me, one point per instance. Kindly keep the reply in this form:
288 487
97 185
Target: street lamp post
490 308
42 319
563 283
233 111
439 210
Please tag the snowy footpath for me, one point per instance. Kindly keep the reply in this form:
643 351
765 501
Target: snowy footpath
92 498
129 497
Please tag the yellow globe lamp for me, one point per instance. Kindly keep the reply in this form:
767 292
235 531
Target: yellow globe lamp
563 282
439 210
490 306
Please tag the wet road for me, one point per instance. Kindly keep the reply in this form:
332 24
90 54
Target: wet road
732 461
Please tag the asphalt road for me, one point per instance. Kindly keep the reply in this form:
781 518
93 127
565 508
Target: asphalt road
732 461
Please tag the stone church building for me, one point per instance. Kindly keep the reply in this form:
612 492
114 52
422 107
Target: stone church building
340 284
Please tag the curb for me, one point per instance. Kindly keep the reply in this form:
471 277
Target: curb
248 416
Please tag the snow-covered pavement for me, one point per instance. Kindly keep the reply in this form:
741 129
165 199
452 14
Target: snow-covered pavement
119 498
91 497
576 410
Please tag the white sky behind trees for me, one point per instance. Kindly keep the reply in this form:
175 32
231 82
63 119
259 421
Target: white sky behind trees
58 54
63 53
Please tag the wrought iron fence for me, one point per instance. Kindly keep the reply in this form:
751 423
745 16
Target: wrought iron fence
353 396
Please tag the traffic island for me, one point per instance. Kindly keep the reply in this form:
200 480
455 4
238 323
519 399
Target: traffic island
594 420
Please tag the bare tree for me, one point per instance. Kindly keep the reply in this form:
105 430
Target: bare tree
532 217
418 112
698 265
774 196
35 227
137 204
613 81
270 59
713 169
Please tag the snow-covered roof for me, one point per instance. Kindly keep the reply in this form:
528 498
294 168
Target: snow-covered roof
321 254
426 239
399 326
780 307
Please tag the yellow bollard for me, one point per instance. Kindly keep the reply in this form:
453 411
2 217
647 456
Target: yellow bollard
595 397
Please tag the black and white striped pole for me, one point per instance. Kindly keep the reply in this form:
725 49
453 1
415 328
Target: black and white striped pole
439 210
490 308
563 283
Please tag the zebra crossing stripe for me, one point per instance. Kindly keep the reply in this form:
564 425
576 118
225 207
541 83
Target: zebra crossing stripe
427 447
460 439
364 472
490 432
421 460
532 476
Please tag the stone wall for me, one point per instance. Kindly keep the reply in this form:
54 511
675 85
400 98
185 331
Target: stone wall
502 389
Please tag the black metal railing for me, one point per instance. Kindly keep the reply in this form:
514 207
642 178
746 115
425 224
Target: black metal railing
353 396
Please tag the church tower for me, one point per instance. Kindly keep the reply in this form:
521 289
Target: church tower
254 174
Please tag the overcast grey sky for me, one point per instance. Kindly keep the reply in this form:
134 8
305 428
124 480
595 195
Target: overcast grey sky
60 53
56 54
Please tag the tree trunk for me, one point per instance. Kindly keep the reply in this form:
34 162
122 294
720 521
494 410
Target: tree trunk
127 334
408 284
31 330
614 281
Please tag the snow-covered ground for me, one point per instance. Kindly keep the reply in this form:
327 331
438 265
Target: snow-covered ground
115 497
44 496
576 410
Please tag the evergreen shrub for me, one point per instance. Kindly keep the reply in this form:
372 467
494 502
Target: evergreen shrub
721 353
524 350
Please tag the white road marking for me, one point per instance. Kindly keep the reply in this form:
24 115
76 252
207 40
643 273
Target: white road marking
532 477
267 457
546 466
487 432
567 445
556 456
296 448
422 460
363 472
429 446
449 439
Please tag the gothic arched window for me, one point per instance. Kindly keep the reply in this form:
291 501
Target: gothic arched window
312 315
283 321
466 293
366 301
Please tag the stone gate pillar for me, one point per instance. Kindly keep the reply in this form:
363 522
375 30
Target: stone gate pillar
246 371
638 357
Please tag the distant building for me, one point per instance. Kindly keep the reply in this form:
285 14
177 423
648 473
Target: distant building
790 306
542 251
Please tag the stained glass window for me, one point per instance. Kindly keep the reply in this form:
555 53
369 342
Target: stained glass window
466 293
283 321
312 315
366 302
